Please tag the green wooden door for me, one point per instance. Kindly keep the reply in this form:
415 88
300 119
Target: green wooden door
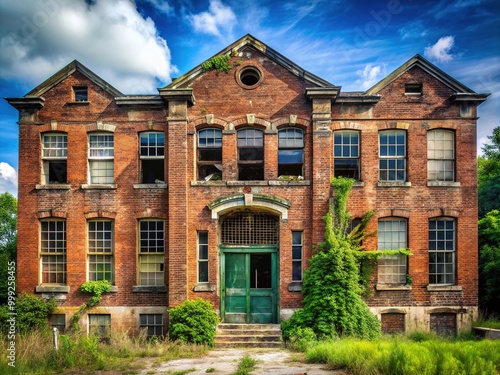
249 285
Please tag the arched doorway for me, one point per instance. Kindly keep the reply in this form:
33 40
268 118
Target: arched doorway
249 267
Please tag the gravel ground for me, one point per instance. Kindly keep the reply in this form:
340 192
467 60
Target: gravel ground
225 361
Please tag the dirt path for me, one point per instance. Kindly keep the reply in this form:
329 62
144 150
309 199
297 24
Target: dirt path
225 361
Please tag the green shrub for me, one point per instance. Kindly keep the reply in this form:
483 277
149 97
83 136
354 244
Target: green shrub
32 313
193 322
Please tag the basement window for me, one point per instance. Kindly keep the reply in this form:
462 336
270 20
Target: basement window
413 89
81 93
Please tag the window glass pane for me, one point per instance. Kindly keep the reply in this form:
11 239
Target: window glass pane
289 156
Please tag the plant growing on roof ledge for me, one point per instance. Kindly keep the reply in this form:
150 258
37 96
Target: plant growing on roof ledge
220 63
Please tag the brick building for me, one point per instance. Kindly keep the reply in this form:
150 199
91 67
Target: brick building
216 188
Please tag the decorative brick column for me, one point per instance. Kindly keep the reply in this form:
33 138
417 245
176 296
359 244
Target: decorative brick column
177 180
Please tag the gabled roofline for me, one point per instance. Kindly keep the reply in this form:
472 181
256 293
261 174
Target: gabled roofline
428 67
249 40
65 72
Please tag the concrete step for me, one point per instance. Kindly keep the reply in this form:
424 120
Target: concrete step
248 335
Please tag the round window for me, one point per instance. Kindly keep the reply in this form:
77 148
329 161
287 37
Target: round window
249 77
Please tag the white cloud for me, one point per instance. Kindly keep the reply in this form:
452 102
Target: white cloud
413 30
111 38
161 6
370 75
440 51
218 17
8 179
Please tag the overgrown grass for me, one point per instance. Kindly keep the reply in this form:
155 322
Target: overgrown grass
489 323
35 354
245 366
424 354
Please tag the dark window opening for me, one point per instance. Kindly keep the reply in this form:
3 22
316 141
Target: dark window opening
250 155
260 271
152 171
413 88
210 154
81 94
152 324
250 76
251 172
57 172
348 168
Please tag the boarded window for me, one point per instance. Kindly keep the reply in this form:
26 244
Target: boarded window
444 323
393 323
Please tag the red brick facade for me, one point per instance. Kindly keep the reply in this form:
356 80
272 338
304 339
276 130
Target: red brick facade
284 97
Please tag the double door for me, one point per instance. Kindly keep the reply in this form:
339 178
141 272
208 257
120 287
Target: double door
249 279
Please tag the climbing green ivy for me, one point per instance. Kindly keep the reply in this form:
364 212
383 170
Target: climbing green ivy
332 285
220 63
96 289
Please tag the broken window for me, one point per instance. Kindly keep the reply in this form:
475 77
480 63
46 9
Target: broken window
101 155
441 155
290 152
54 155
151 155
346 154
210 154
250 154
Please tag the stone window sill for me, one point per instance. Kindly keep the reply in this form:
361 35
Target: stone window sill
392 287
394 184
79 102
99 186
252 183
444 288
150 186
295 286
358 184
443 184
53 187
148 289
204 287
52 289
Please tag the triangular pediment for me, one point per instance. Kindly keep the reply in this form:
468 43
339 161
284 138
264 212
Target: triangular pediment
67 71
425 65
247 43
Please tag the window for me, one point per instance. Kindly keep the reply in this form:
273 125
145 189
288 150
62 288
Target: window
249 77
441 155
152 324
100 326
297 246
101 153
81 93
58 321
100 250
442 251
203 257
346 154
290 152
413 89
151 154
250 154
210 154
151 252
392 235
54 155
392 163
53 251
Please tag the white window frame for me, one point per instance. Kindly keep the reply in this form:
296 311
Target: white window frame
392 235
152 150
392 155
442 251
441 155
151 253
345 150
102 248
54 151
53 251
101 153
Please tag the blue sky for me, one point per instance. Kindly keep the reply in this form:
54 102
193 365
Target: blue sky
138 46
